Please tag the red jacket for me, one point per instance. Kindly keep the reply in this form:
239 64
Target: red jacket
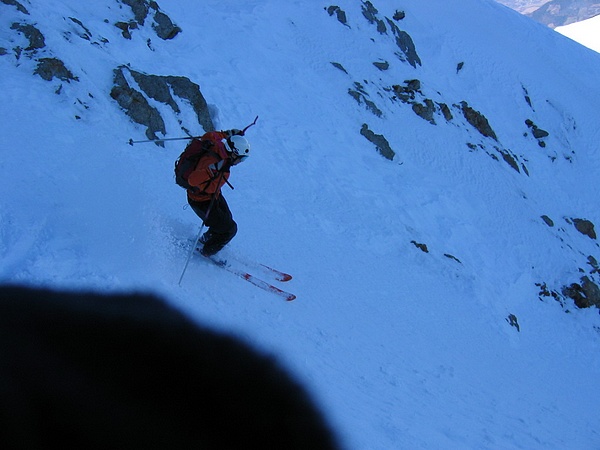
212 171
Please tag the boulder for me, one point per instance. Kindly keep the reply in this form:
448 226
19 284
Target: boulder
381 143
50 68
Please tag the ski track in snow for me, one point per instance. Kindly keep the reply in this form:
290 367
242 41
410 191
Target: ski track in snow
401 348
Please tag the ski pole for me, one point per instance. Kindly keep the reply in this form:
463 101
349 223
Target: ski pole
253 123
191 252
131 141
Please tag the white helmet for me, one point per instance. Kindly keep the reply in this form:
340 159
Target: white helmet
238 145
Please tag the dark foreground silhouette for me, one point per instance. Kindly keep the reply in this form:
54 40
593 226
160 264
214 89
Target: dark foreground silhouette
83 370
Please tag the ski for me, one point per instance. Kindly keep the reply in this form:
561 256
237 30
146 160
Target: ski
242 267
269 271
245 263
252 279
279 275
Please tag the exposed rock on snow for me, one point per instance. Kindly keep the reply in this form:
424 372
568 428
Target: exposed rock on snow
477 120
50 68
339 13
381 143
585 227
36 38
159 88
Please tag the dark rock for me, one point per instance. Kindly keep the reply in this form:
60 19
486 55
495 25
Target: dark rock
3 51
478 121
585 295
339 66
382 65
155 87
408 92
459 66
49 68
140 9
527 97
399 15
548 221
403 39
164 27
126 28
512 320
186 89
136 106
371 106
158 88
87 35
18 5
340 14
449 256
370 13
361 97
405 44
35 36
381 143
538 133
413 85
422 247
446 112
425 111
585 227
546 293
594 263
509 159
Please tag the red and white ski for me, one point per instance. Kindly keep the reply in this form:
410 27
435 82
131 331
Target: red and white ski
266 286
268 271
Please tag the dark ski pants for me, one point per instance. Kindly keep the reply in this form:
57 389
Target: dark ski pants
221 226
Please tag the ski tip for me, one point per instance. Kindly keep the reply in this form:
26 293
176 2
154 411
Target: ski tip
279 275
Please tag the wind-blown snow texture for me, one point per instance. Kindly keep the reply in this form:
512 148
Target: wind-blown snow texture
401 348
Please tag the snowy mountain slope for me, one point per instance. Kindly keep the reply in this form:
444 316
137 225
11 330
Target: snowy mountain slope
586 32
402 348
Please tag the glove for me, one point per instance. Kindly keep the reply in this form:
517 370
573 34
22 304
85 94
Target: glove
233 132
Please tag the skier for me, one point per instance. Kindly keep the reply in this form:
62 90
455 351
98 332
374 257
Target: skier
223 150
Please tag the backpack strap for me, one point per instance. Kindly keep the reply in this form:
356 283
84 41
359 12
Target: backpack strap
225 167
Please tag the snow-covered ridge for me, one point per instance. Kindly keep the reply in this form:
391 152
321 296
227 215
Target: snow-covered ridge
586 32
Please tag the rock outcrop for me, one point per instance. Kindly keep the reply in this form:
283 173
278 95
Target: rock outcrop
133 97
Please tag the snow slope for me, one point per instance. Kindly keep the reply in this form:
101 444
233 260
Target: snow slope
401 348
586 32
